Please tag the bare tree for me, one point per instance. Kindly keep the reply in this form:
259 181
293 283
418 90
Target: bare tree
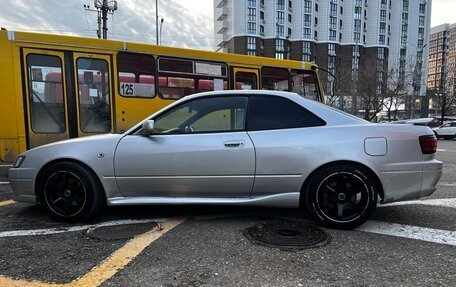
446 96
369 90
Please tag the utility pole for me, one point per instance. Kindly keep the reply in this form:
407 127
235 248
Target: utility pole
156 20
103 8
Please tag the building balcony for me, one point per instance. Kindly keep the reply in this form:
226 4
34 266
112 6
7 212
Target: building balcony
221 13
222 26
220 3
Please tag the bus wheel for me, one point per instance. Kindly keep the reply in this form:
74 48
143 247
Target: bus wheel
341 196
70 192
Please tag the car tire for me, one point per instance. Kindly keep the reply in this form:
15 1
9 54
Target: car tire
341 196
70 192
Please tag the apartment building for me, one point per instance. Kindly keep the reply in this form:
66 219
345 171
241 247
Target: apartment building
344 35
442 59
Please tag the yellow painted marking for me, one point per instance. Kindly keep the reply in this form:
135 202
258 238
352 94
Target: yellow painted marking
109 267
6 202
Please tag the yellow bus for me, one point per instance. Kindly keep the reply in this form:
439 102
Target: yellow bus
56 87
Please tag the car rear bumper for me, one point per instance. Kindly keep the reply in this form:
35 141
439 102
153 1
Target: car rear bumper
410 181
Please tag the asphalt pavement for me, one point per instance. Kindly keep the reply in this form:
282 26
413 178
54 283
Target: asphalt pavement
405 244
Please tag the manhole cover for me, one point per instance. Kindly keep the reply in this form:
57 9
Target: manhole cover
124 231
287 235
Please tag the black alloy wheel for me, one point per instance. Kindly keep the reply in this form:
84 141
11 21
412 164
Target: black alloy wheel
341 196
70 192
65 193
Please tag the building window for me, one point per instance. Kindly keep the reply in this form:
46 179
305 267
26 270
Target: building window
316 7
251 28
280 4
333 23
307 33
357 37
280 17
383 15
331 49
332 35
307 6
422 8
251 3
357 25
307 20
252 14
261 15
420 33
405 5
333 11
382 27
261 29
421 21
280 30
381 39
289 18
381 54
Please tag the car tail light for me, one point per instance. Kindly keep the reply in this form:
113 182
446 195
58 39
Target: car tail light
428 144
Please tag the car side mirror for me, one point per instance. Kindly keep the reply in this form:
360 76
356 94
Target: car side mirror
147 128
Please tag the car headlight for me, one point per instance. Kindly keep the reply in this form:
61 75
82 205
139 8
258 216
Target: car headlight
19 160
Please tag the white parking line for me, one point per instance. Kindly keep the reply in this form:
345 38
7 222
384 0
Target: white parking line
445 202
446 184
75 228
4 182
412 232
439 149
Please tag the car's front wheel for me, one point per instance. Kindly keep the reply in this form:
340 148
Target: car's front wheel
70 192
341 195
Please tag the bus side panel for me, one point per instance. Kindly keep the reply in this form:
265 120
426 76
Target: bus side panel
12 127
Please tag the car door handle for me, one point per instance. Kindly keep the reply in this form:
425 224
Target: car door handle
234 144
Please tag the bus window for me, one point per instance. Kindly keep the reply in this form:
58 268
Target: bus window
246 81
178 78
304 83
93 87
47 111
175 79
275 79
136 75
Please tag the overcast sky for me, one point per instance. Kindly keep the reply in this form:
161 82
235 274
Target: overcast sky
187 23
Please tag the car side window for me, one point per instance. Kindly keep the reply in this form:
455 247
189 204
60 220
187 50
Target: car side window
215 114
269 113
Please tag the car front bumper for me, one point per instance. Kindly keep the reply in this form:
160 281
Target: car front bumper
22 185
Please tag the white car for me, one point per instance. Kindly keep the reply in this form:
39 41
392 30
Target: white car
446 131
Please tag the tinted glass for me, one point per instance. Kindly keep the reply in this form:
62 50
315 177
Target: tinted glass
94 106
275 79
47 111
136 75
269 113
304 83
218 114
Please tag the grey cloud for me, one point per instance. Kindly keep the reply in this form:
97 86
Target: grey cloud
133 21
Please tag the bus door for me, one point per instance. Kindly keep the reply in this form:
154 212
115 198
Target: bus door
245 78
45 96
94 93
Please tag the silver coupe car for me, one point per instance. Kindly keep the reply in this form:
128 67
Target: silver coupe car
263 148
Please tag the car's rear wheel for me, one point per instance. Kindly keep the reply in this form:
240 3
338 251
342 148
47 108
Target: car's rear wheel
70 192
341 195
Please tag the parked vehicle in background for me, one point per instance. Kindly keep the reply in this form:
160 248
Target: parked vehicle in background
446 131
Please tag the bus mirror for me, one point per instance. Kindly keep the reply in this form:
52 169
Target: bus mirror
147 128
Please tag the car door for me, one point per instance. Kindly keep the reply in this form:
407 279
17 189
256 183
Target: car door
199 149
284 135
